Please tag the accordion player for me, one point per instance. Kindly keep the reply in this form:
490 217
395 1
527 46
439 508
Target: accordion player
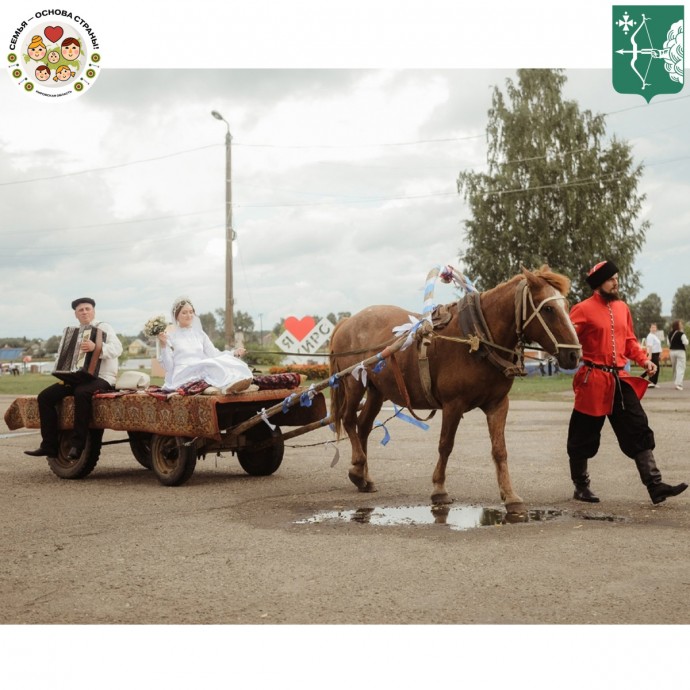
73 365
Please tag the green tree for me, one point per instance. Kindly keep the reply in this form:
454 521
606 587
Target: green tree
209 324
553 193
52 344
681 303
645 313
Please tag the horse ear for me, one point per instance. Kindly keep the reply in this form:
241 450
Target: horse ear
531 277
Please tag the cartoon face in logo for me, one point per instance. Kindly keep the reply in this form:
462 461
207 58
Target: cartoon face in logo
42 73
53 56
37 49
63 74
70 49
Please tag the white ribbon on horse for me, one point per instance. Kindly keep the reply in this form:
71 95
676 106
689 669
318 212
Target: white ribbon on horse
360 373
409 328
336 457
264 416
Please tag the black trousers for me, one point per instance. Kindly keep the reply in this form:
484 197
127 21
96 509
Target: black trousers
47 408
656 358
629 423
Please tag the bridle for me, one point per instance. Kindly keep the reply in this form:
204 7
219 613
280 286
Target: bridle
523 295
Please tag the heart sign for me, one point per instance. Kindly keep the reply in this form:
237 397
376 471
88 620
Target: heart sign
300 328
53 33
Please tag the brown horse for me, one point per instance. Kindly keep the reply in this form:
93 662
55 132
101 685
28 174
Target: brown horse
471 363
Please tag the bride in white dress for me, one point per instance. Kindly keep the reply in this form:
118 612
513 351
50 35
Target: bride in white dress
187 354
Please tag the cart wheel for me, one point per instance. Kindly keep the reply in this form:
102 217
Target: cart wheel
65 468
265 461
140 443
172 462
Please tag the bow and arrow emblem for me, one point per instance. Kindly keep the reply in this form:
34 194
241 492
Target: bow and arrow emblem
637 52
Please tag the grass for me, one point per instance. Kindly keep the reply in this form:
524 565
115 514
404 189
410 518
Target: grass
527 388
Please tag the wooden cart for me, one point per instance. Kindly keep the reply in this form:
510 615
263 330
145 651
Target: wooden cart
168 436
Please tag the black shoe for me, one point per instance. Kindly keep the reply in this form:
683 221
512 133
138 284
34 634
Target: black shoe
585 495
40 452
74 453
660 492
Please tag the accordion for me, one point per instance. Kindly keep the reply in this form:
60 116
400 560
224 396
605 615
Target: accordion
74 366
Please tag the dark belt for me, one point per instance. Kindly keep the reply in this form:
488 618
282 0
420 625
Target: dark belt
604 367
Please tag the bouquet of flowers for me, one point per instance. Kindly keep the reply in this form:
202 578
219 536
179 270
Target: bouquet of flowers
155 326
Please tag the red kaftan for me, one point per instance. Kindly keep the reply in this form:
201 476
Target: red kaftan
594 388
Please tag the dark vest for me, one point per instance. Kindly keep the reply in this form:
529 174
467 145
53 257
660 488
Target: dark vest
675 342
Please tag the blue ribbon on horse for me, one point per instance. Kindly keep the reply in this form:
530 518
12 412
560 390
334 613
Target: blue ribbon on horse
410 420
306 397
333 381
380 364
286 403
386 435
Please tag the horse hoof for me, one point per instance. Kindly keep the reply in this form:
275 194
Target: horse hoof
516 508
362 484
441 499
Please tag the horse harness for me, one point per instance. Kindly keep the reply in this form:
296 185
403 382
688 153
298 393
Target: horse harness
475 332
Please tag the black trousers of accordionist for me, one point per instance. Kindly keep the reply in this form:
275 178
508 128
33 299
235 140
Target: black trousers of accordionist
51 396
629 423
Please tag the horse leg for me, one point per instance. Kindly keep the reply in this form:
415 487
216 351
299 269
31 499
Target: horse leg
358 470
496 419
365 423
449 426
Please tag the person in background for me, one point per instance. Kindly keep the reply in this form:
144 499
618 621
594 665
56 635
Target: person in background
604 389
84 310
653 344
677 341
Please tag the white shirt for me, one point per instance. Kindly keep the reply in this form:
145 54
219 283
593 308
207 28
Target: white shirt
112 349
653 343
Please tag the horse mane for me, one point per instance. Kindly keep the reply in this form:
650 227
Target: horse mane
557 280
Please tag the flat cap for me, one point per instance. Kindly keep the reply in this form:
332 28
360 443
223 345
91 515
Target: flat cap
81 300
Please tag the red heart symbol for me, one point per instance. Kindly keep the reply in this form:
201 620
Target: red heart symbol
53 33
300 328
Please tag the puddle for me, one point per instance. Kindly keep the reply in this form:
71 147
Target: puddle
457 517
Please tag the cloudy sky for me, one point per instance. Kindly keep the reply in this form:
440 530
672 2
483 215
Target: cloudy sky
343 186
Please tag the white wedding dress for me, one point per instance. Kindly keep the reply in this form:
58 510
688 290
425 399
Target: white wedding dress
191 356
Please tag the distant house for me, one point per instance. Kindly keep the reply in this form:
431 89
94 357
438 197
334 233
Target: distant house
137 347
10 354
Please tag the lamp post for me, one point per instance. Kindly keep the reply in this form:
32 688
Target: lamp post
229 237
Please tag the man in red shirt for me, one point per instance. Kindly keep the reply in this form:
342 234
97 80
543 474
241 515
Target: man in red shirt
604 389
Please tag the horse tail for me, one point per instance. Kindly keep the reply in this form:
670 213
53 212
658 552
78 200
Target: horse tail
337 392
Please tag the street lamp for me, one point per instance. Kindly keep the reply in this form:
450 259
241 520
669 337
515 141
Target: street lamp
229 237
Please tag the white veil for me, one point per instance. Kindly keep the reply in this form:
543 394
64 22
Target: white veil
178 304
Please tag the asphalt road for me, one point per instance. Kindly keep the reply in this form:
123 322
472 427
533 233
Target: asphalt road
303 547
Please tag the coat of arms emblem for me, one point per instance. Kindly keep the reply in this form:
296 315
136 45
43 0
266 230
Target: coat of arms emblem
648 49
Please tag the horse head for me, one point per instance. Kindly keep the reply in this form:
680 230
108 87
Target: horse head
541 315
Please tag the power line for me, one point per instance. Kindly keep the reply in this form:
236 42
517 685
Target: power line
109 167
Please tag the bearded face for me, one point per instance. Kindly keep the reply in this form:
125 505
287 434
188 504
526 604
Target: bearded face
609 289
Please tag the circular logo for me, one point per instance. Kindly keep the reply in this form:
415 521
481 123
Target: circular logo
58 53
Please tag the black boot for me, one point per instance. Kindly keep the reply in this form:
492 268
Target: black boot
578 473
651 478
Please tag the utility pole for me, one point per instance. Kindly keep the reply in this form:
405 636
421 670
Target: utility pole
229 237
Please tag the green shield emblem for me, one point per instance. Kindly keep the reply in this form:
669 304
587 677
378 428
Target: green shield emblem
648 49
